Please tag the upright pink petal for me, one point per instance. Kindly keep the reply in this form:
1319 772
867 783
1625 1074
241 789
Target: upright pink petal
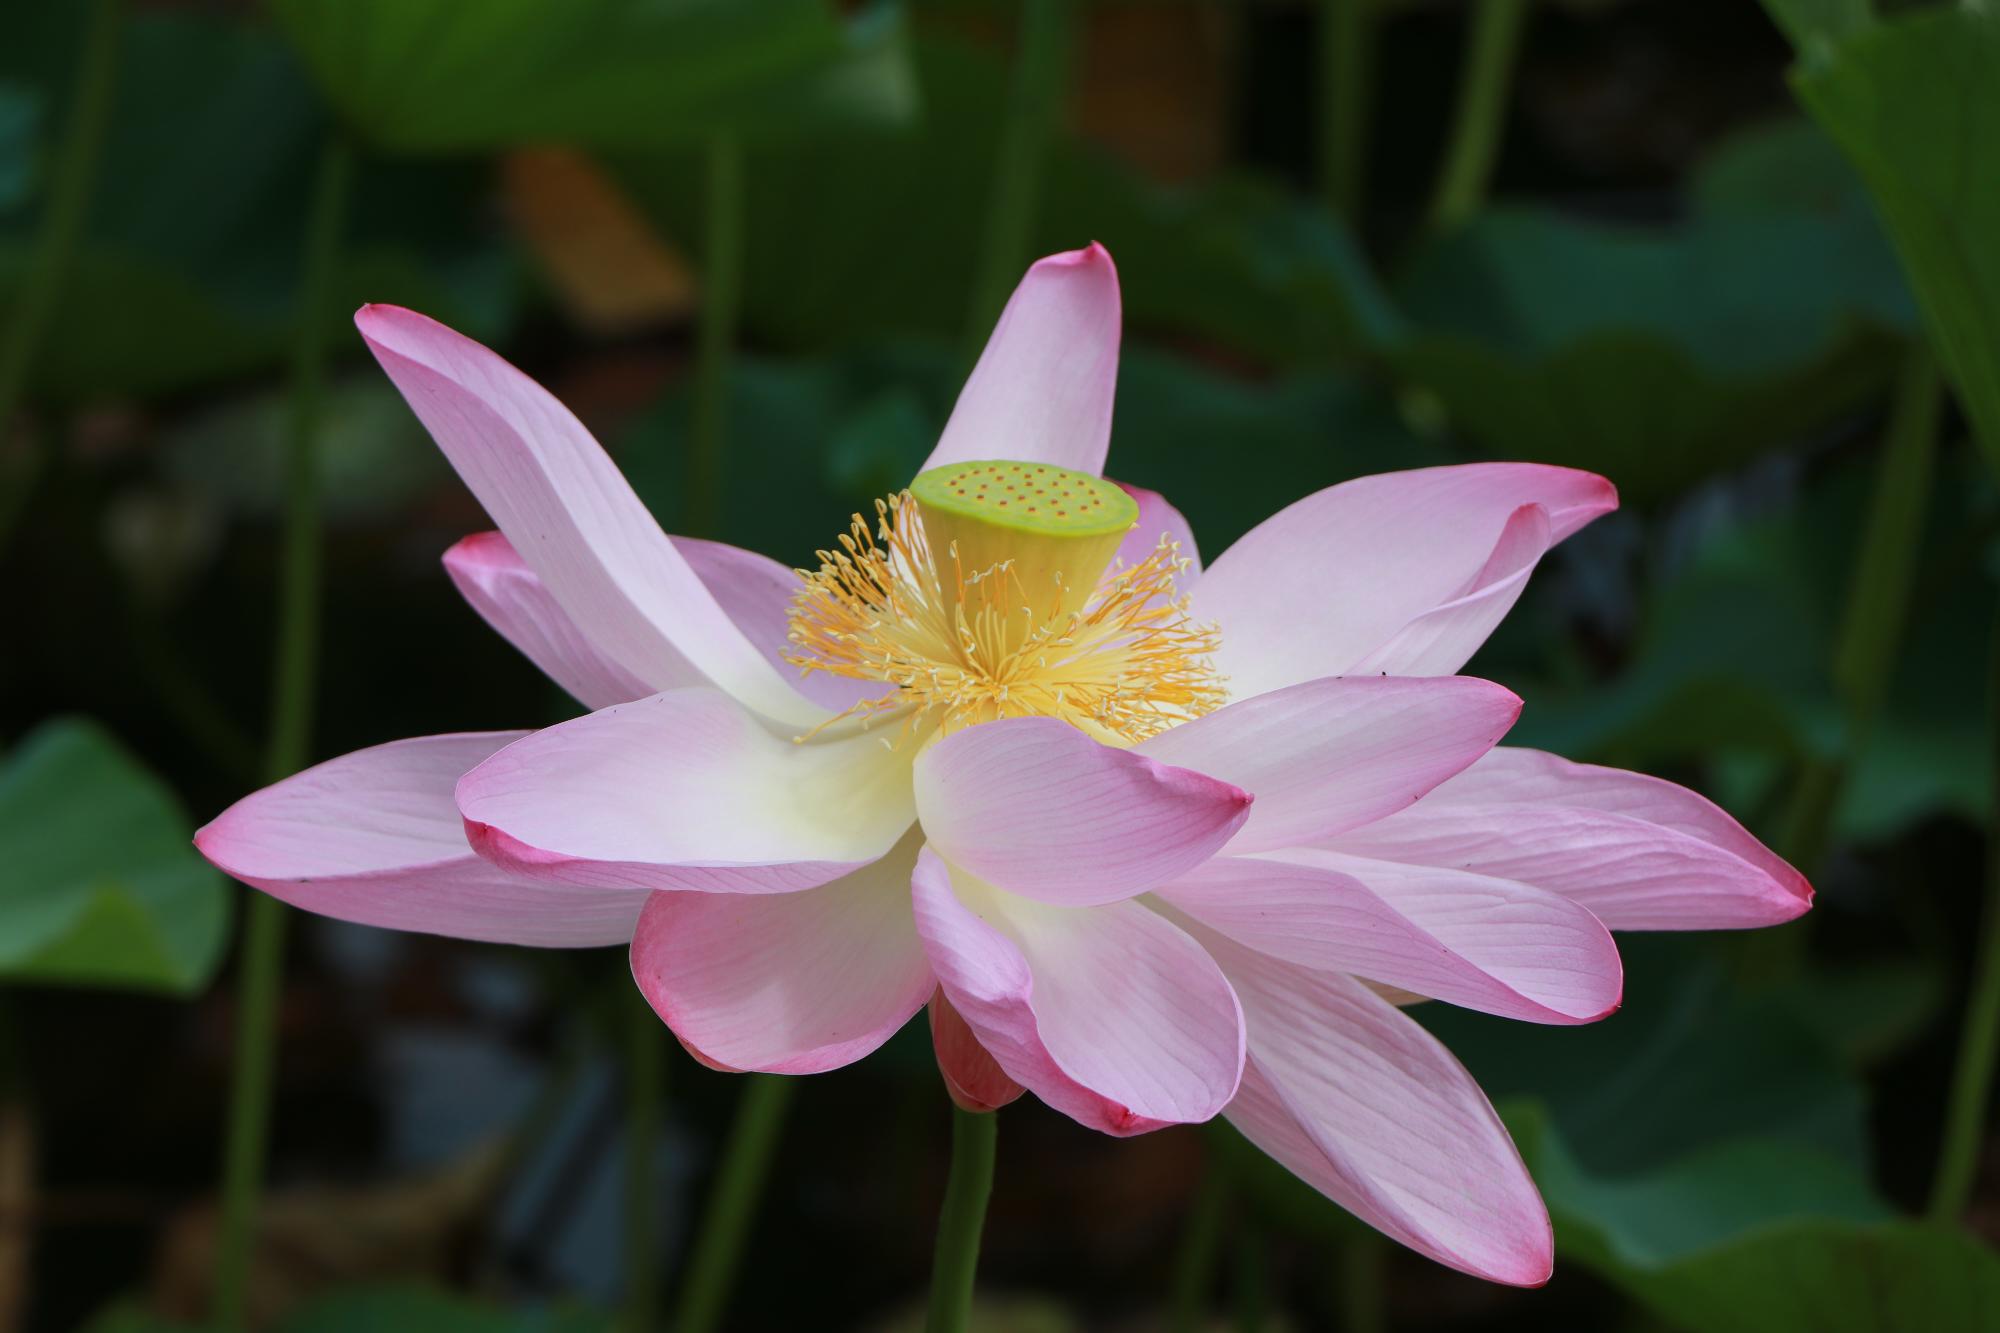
1403 573
1355 1098
1034 806
491 575
787 983
1639 852
570 514
1158 519
1042 390
1485 944
1109 1014
972 1077
374 837
686 790
1330 755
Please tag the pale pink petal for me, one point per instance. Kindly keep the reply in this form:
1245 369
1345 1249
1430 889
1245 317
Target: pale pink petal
1327 586
1355 1098
1157 519
1330 755
491 575
1485 944
374 837
1109 1014
1042 390
686 790
972 1077
570 514
1639 852
787 983
1034 806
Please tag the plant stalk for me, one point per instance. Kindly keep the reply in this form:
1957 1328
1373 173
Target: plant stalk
715 345
1480 115
259 983
1346 95
732 1203
1034 108
1979 1038
643 1073
70 181
1200 1248
962 1219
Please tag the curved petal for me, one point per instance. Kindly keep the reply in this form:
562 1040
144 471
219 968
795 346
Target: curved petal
1034 806
1484 944
373 837
686 790
1639 852
574 519
974 1078
1157 519
1331 755
1343 577
787 983
1353 1096
756 592
1042 390
1109 1014
490 574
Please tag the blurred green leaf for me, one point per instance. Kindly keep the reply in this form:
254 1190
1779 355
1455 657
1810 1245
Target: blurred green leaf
1810 22
190 259
892 224
429 76
105 888
1916 105
1656 356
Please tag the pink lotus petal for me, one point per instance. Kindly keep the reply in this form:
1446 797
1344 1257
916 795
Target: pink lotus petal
374 837
1340 579
1639 852
1035 807
1485 944
787 983
1355 1098
1157 519
491 575
686 790
973 1078
1109 1014
570 514
1330 755
1042 390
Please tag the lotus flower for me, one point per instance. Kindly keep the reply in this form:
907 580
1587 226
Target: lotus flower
1152 841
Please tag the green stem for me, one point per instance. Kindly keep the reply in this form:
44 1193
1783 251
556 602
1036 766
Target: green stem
1878 598
732 1202
1979 1039
643 1072
1253 1281
715 346
1034 107
1200 1247
70 182
962 1219
1346 92
1363 1295
1480 115
291 722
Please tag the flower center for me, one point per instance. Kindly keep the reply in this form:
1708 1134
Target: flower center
981 594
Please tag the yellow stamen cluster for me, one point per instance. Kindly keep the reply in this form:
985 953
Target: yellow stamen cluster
969 645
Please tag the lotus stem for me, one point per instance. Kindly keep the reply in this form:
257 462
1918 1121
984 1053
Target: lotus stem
1200 1247
732 1203
962 1219
259 982
715 341
1034 108
1346 94
1480 115
1979 1038
71 178
643 1073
